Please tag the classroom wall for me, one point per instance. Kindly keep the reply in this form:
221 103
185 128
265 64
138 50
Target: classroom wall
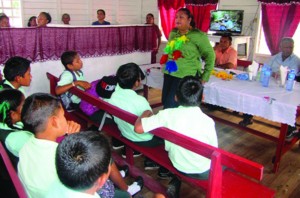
83 12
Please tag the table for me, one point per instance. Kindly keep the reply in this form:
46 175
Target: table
273 103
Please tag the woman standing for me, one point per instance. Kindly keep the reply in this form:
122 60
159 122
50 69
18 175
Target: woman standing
183 53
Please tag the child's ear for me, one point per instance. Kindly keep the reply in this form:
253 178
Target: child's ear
175 98
15 116
54 122
103 178
70 66
137 84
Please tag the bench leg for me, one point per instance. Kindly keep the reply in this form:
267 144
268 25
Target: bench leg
129 156
215 176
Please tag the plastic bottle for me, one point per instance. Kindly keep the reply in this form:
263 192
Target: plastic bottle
290 80
266 77
258 74
262 73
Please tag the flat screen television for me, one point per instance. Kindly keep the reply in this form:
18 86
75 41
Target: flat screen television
226 21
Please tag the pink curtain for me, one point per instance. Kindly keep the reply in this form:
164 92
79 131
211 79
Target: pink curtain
278 21
202 15
167 11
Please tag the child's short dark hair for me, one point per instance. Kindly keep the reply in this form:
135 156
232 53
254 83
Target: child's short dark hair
15 66
37 109
11 98
189 91
127 75
81 158
68 58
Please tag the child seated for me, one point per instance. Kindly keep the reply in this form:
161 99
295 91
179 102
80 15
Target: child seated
83 165
16 73
189 120
43 115
71 77
125 97
12 137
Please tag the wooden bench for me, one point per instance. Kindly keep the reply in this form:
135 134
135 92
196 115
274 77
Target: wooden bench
12 174
237 180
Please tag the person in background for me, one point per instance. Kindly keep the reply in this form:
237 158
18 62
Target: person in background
226 56
157 39
43 19
17 73
101 17
32 22
285 58
4 21
184 49
65 18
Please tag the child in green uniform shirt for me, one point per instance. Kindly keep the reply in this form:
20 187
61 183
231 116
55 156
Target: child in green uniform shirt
16 73
13 138
189 120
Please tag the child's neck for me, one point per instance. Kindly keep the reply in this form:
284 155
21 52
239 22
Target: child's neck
15 84
46 136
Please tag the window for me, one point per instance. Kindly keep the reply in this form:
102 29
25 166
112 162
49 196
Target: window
12 8
262 47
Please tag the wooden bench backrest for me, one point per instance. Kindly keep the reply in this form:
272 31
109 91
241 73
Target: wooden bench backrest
12 173
228 159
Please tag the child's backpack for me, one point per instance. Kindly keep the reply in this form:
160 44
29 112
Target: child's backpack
66 97
102 88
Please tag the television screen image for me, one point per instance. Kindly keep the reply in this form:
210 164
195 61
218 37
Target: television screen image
226 21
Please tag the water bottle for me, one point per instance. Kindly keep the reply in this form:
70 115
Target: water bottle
258 74
290 80
266 77
262 73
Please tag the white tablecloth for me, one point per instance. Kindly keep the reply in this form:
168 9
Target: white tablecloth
273 103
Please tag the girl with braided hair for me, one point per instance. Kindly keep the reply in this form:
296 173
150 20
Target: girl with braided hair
11 136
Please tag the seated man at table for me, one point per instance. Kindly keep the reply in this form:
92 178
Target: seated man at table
284 58
226 56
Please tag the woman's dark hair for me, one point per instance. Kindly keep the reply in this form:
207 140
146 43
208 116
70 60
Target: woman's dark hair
190 15
47 15
10 100
30 19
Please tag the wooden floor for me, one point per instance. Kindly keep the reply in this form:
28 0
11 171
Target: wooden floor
286 182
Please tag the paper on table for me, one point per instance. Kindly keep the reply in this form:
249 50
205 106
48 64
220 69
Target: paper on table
283 70
253 68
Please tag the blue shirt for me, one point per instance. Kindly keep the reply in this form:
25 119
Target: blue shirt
293 62
98 23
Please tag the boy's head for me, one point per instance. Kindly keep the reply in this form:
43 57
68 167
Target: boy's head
129 76
83 160
43 112
71 61
189 91
17 69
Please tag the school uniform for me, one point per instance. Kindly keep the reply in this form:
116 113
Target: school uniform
67 78
191 122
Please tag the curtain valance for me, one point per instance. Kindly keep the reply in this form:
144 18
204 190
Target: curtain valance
279 1
200 2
